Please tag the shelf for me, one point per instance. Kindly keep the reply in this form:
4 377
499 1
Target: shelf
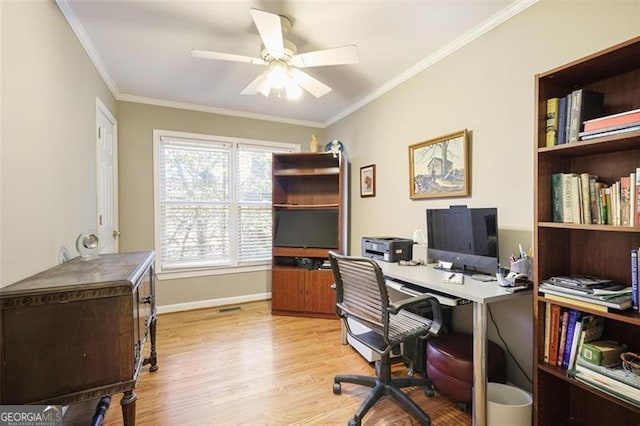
604 145
628 316
562 375
327 171
307 206
589 227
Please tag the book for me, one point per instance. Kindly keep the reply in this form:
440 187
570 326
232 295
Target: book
580 280
621 118
602 203
634 279
583 301
563 336
613 209
597 382
596 204
585 137
623 127
618 373
556 197
547 329
637 206
592 329
567 209
572 317
562 121
632 198
552 121
575 342
576 199
585 104
586 200
568 118
625 199
606 290
554 334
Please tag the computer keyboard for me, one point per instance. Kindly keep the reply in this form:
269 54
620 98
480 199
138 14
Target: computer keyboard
483 277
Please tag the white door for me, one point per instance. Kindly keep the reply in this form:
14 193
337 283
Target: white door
107 178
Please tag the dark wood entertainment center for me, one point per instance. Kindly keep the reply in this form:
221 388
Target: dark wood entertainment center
310 182
77 332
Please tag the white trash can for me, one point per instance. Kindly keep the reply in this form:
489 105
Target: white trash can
508 405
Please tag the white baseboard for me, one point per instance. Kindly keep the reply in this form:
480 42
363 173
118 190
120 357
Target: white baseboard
200 304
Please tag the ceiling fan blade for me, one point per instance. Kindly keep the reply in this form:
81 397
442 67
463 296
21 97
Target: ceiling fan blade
335 56
308 83
258 85
270 28
207 54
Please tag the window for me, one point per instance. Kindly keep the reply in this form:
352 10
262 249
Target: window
212 202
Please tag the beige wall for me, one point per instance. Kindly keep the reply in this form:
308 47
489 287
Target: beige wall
136 124
47 166
488 88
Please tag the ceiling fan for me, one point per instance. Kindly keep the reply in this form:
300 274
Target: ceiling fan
283 60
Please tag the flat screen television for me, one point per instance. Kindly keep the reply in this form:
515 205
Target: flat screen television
310 228
466 237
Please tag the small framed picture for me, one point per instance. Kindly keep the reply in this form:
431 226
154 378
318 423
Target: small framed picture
368 181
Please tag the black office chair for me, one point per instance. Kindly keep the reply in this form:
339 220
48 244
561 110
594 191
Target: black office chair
361 295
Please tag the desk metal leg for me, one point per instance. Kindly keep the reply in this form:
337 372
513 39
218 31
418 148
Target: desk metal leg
479 364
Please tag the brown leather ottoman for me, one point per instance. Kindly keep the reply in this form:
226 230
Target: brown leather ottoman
450 365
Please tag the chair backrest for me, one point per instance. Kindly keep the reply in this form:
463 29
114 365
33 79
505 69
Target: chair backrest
361 291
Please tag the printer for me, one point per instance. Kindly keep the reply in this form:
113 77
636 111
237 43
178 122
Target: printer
388 249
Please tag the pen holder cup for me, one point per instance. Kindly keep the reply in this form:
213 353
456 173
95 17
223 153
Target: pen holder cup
523 266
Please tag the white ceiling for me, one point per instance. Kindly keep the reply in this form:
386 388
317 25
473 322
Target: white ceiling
141 48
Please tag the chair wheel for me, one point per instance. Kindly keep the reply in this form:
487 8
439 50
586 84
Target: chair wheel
354 422
337 389
429 392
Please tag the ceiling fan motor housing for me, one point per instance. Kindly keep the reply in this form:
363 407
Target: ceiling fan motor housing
287 54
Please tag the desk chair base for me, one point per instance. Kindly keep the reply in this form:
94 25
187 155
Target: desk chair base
385 385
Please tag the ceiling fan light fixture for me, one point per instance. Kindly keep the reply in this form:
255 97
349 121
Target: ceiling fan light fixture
278 74
293 90
264 88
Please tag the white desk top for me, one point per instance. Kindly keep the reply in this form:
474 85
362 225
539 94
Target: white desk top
428 277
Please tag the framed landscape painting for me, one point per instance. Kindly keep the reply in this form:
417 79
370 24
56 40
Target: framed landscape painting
440 167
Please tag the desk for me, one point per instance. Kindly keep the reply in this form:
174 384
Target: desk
480 294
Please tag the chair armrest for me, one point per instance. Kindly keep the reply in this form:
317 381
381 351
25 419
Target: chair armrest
436 322
395 307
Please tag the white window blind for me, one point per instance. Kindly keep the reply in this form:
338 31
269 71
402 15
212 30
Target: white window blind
213 204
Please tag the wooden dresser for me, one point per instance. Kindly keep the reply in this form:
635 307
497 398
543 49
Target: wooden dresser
77 331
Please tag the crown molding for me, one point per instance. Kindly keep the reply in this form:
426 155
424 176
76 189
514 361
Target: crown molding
458 43
215 110
486 26
85 41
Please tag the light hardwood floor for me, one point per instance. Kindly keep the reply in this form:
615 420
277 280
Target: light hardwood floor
247 367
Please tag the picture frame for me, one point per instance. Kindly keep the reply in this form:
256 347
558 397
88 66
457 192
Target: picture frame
439 167
368 181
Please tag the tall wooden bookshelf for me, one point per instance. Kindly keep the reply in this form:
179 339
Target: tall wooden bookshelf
307 181
601 250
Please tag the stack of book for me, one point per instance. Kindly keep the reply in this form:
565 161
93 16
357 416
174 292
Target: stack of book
582 198
628 121
595 293
566 330
614 381
565 115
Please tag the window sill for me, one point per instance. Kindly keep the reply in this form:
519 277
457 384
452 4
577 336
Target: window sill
194 273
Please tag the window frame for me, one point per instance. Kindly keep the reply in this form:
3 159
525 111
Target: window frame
235 143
